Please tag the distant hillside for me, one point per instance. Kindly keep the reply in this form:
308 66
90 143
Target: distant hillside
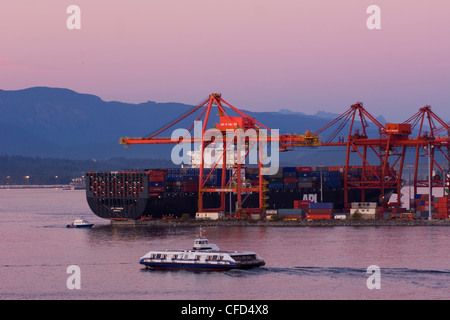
61 123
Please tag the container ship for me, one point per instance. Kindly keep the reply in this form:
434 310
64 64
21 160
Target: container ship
173 192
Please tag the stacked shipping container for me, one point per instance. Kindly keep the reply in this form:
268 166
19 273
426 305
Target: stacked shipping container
305 177
124 184
320 210
187 179
440 206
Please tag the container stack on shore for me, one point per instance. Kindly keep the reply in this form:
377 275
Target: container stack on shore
305 209
440 206
320 210
292 214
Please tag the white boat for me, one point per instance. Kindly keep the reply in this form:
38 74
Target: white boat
80 223
203 256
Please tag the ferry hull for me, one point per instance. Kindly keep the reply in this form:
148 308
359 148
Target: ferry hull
198 266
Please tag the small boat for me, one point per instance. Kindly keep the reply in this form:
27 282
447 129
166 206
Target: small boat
204 256
80 223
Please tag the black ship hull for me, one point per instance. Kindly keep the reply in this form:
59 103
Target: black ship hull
155 194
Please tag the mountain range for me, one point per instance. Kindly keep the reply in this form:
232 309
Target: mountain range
61 123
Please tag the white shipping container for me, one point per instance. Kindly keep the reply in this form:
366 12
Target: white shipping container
363 211
364 205
209 215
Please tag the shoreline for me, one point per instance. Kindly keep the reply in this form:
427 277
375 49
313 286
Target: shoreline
265 223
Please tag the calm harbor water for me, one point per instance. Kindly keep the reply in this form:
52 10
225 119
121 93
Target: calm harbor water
301 263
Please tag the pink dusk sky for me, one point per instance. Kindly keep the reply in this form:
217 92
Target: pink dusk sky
303 55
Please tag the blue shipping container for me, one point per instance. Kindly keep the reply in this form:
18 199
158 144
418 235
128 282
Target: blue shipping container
275 185
290 185
334 174
320 205
305 174
333 184
290 174
291 211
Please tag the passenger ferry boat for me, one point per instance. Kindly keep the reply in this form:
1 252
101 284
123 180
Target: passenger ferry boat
204 256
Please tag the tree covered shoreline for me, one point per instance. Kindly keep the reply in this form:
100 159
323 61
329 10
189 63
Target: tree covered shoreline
19 170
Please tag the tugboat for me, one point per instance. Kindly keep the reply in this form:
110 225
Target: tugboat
204 256
80 223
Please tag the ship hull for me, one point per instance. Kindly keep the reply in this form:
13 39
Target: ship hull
136 195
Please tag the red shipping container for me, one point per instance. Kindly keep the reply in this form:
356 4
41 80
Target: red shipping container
318 216
190 188
398 210
159 173
156 189
320 211
154 194
190 183
290 180
301 204
335 168
156 178
304 169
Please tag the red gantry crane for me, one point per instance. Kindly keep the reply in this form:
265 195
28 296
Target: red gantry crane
427 144
388 150
380 176
240 133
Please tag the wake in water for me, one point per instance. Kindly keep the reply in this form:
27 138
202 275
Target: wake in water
333 271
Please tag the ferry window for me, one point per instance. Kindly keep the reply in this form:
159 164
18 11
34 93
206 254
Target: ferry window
158 256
